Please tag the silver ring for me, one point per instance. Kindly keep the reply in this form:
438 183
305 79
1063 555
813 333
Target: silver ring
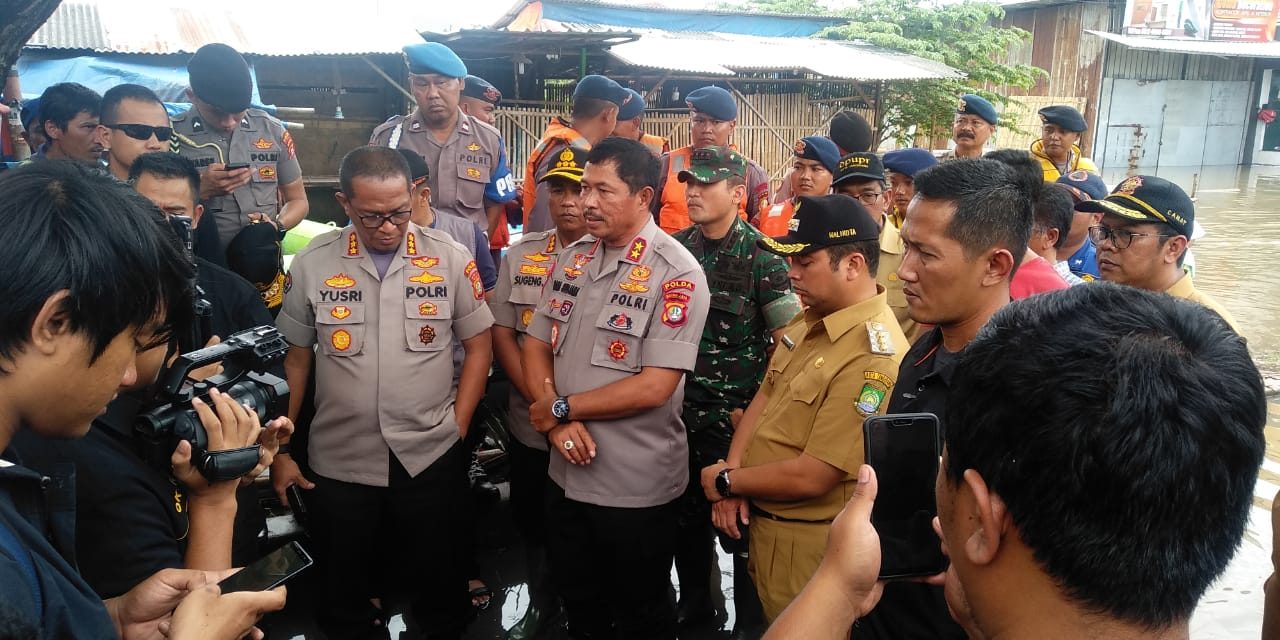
568 445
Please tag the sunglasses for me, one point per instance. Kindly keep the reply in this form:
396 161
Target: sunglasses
143 131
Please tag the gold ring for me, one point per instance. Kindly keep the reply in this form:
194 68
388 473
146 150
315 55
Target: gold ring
568 445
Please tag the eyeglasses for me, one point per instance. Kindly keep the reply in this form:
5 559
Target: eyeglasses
1119 238
869 197
375 220
143 132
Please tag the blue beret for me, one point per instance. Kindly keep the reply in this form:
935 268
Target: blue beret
601 88
909 161
1090 184
634 107
975 105
713 101
821 149
1063 116
30 111
480 89
433 57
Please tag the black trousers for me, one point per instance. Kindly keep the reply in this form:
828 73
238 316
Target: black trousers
612 567
528 491
412 533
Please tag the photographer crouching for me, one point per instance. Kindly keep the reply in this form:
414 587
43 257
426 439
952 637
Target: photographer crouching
96 287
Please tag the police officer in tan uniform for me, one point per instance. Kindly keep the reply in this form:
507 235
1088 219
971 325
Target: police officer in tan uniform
524 270
381 301
795 456
222 129
861 177
467 158
615 331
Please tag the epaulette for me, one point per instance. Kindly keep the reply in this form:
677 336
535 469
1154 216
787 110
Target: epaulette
881 340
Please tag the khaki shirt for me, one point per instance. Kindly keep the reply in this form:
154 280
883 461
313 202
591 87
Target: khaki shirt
891 253
841 370
608 313
525 268
467 169
384 365
1186 289
262 142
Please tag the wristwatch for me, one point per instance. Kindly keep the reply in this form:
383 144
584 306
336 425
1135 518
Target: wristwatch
560 409
722 483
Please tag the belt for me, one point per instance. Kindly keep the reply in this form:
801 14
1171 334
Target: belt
757 511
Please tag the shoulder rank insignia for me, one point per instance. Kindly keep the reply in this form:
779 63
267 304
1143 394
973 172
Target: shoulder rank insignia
881 342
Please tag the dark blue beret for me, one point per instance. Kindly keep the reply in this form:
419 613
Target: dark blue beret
1063 116
601 88
633 107
909 161
1090 184
821 149
433 57
480 89
975 105
219 75
713 101
30 111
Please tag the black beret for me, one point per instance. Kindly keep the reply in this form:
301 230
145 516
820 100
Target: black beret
480 89
220 76
1064 116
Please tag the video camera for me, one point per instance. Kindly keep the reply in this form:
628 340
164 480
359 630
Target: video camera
245 358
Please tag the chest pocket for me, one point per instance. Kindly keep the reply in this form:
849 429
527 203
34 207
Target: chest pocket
428 324
472 179
340 329
525 297
263 183
619 333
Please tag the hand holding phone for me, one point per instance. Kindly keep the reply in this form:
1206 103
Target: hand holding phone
269 571
235 166
903 450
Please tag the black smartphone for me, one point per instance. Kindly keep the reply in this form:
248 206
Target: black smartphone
235 166
269 571
296 505
903 449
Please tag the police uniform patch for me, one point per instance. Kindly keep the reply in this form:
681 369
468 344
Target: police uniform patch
637 249
537 257
263 143
341 340
473 172
534 270
427 335
411 244
526 317
640 273
426 277
473 274
425 262
869 399
340 281
288 144
633 287
428 309
617 349
674 314
620 321
672 285
267 172
565 307
353 247
288 282
340 312
473 147
551 247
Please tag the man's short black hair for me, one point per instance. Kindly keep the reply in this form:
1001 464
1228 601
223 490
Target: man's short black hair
372 162
635 165
587 108
64 101
1054 210
1030 173
115 95
868 249
992 202
170 166
77 229
1123 429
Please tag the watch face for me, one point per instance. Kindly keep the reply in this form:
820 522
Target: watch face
560 409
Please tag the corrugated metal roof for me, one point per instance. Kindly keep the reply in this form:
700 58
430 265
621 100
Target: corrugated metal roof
1196 47
266 31
727 54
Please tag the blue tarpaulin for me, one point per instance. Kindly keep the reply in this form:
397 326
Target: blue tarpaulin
166 75
645 18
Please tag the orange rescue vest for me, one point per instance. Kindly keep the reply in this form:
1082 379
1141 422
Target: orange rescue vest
657 145
557 131
674 214
774 221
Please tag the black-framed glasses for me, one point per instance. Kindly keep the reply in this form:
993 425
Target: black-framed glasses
1119 238
375 220
143 132
869 198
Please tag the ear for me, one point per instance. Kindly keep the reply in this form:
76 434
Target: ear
989 516
738 194
424 193
1051 237
103 136
999 264
52 324
854 263
51 130
646 196
196 213
1175 247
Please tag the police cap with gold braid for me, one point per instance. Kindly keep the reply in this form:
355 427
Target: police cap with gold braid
568 165
1148 199
823 222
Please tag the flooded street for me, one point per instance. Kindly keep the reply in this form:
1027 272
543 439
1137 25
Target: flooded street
1239 207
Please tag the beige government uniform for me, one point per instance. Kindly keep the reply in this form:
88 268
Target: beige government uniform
891 252
1186 289
525 269
842 369
607 313
261 141
384 364
460 169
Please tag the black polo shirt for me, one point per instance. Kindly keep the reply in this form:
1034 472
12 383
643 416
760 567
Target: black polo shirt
911 611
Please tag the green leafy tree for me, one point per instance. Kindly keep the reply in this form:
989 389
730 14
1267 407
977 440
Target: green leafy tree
963 36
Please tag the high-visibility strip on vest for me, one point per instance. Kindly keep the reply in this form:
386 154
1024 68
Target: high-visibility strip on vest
557 131
774 222
674 214
657 145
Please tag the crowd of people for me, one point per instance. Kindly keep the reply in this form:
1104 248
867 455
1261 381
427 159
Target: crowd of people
688 359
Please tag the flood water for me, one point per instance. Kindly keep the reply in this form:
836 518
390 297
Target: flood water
1239 207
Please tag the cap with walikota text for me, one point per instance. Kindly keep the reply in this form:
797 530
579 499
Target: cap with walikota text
822 222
